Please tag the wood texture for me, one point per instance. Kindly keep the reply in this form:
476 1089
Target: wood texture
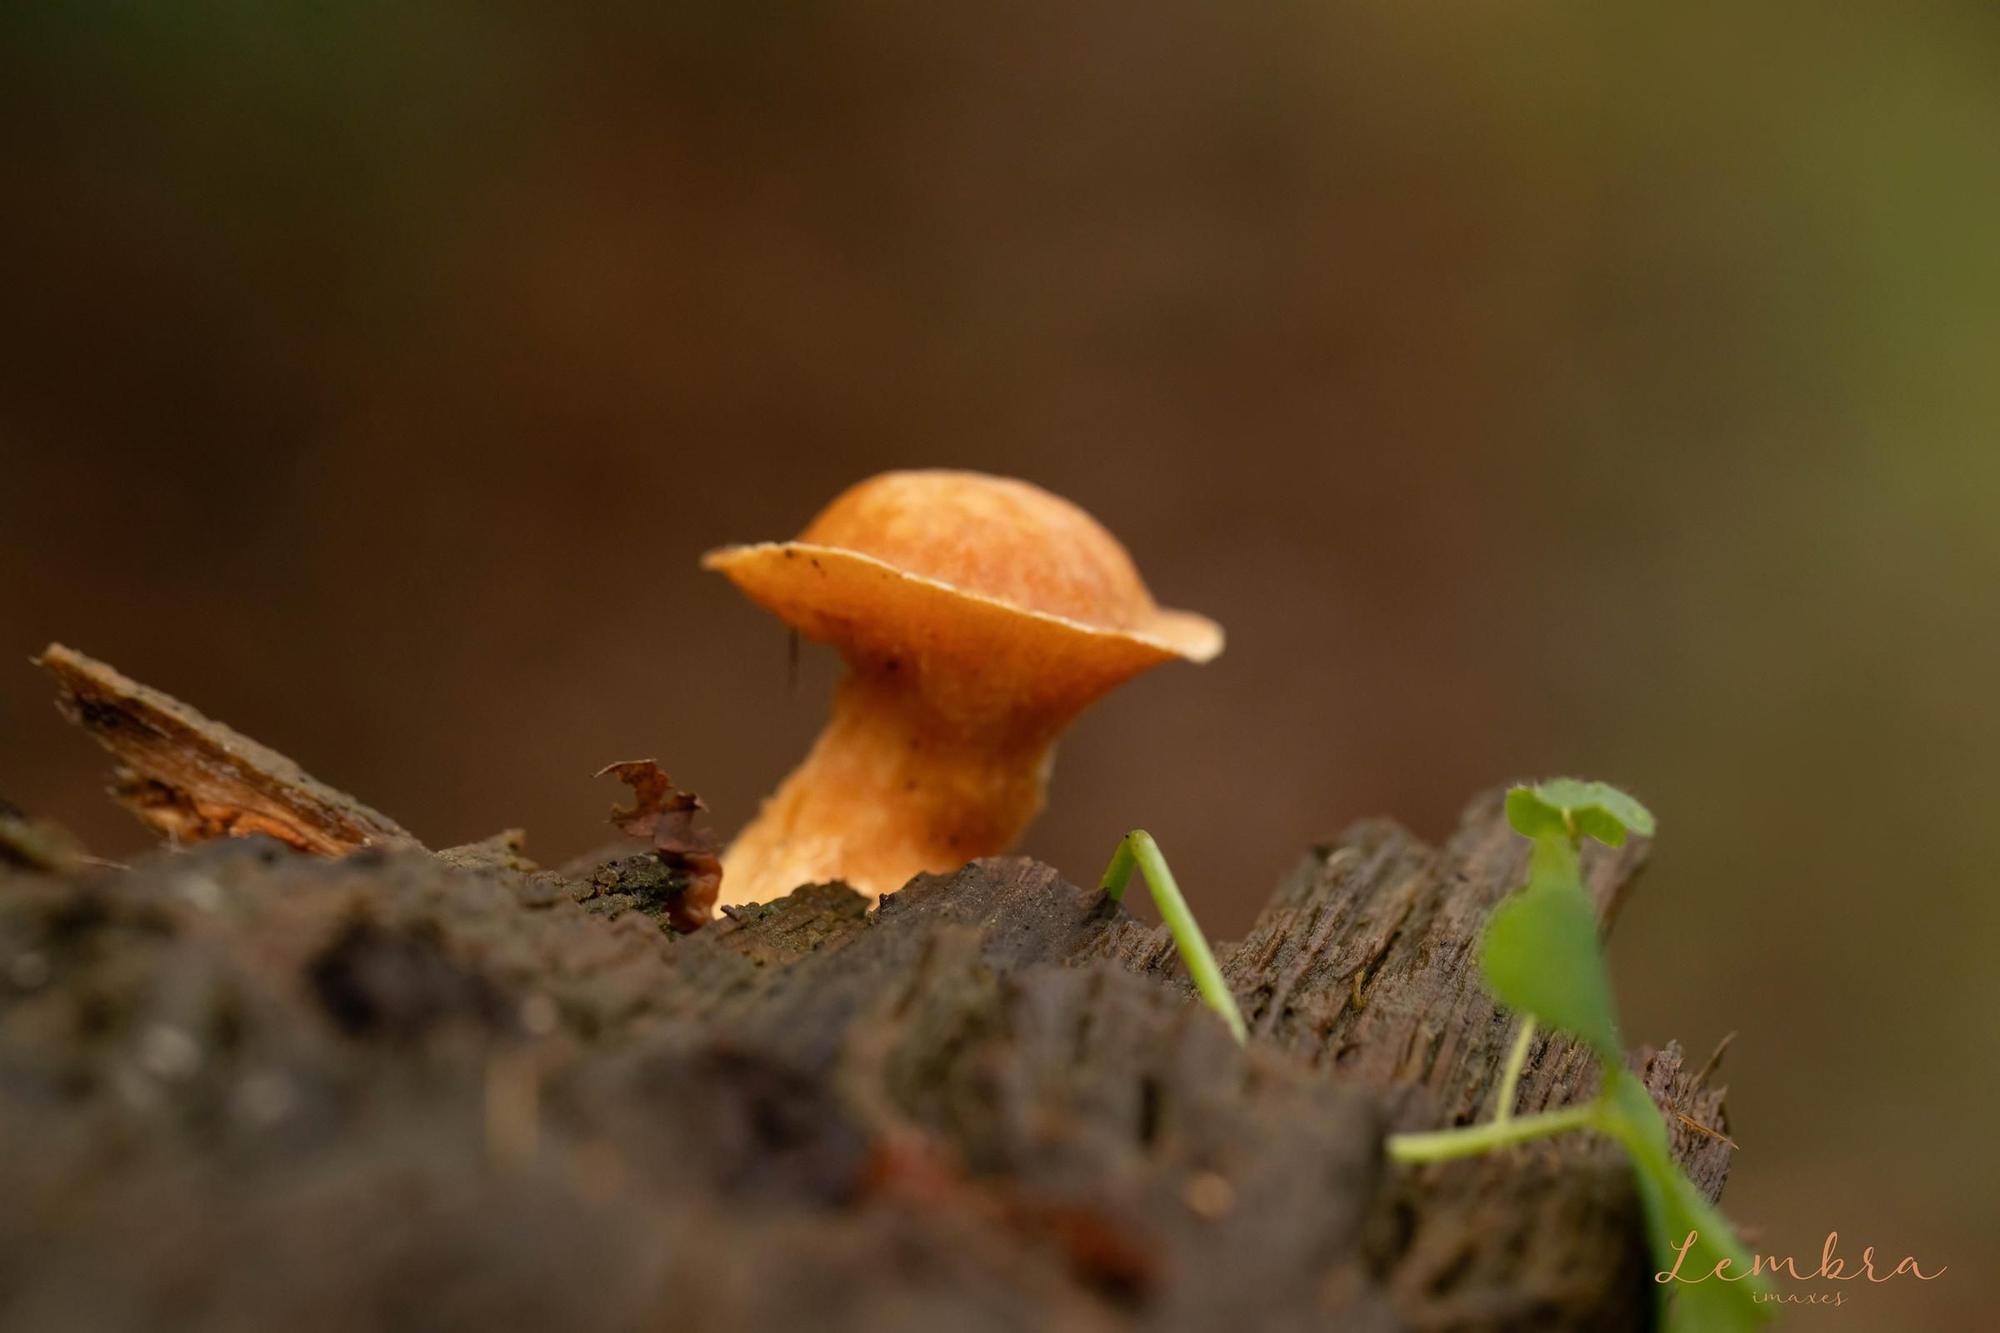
399 1090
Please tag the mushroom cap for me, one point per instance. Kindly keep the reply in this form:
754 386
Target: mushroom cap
987 588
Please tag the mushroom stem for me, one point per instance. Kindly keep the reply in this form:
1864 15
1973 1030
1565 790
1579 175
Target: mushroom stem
892 788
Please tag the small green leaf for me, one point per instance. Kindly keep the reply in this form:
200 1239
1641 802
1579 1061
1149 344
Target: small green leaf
1582 809
1541 957
1531 816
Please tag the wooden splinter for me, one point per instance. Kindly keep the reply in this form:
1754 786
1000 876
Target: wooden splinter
194 779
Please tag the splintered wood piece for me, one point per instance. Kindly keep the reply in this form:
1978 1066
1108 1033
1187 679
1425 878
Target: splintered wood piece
194 779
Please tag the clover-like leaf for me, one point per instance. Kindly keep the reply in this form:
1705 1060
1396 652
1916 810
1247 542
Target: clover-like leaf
1581 809
1541 957
1531 816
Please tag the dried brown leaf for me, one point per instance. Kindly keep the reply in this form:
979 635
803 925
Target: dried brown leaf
663 816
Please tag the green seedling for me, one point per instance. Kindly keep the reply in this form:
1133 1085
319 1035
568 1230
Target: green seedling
1542 959
1138 849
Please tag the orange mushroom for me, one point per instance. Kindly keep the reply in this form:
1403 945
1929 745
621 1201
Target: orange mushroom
977 615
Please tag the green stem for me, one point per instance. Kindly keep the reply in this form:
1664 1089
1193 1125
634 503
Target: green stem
1119 871
1445 1144
1138 849
1510 1078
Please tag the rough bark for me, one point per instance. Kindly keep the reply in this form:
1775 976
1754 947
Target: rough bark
247 1089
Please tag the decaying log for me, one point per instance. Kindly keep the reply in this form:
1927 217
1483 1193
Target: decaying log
193 779
268 1090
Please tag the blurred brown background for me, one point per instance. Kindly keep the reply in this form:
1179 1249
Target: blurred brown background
1526 392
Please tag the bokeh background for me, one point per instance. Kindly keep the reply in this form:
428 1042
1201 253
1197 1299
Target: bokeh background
1562 389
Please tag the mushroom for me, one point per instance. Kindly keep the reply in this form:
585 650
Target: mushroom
978 616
